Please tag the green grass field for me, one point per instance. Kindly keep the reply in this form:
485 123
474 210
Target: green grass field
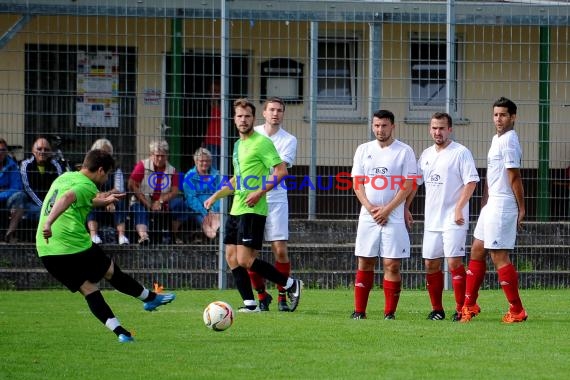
52 335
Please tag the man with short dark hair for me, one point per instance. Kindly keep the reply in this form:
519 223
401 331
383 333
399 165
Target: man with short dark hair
501 216
381 229
450 176
67 252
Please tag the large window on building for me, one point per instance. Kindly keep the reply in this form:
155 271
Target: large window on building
428 75
337 84
53 95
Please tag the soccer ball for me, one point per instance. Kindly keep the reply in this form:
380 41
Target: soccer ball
218 316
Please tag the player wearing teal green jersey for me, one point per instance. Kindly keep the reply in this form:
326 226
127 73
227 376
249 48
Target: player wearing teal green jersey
69 234
65 247
253 158
254 155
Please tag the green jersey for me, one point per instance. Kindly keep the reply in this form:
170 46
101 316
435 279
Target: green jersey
69 232
253 159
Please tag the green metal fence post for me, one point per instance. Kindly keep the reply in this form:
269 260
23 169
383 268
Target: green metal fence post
543 208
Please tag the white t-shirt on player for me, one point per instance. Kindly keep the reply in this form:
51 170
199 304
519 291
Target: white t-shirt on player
286 145
387 169
444 174
505 153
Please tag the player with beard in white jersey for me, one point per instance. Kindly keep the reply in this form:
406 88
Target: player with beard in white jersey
450 176
501 215
384 174
277 222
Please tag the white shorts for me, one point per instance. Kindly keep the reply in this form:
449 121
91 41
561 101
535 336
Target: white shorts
448 243
277 222
497 229
372 240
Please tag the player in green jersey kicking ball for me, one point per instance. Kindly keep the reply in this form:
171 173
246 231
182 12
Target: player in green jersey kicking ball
65 247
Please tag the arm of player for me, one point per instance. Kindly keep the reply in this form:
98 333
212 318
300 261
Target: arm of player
56 210
515 180
466 194
405 190
408 217
222 193
107 199
485 196
279 171
360 192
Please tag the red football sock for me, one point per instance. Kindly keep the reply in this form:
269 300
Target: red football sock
434 283
474 278
284 268
258 283
508 278
458 282
391 296
362 287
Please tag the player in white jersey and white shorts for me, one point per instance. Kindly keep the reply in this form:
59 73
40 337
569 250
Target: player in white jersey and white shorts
384 173
502 213
450 177
277 222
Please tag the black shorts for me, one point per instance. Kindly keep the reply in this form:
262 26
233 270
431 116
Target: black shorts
246 229
73 270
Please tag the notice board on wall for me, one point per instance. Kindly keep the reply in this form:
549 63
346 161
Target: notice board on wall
97 89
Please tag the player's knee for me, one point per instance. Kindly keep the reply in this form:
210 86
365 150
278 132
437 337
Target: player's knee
455 263
281 256
432 266
391 266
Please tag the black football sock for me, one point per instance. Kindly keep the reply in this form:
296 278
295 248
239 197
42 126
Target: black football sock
125 283
99 307
269 272
121 330
151 297
243 284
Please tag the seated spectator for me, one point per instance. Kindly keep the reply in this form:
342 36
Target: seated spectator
200 183
154 183
37 173
117 210
10 186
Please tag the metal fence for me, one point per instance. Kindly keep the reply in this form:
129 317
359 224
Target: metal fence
137 70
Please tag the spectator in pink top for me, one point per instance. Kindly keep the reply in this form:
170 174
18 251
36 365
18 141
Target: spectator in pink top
154 184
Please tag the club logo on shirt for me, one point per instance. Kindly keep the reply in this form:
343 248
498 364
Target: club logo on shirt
380 170
434 178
